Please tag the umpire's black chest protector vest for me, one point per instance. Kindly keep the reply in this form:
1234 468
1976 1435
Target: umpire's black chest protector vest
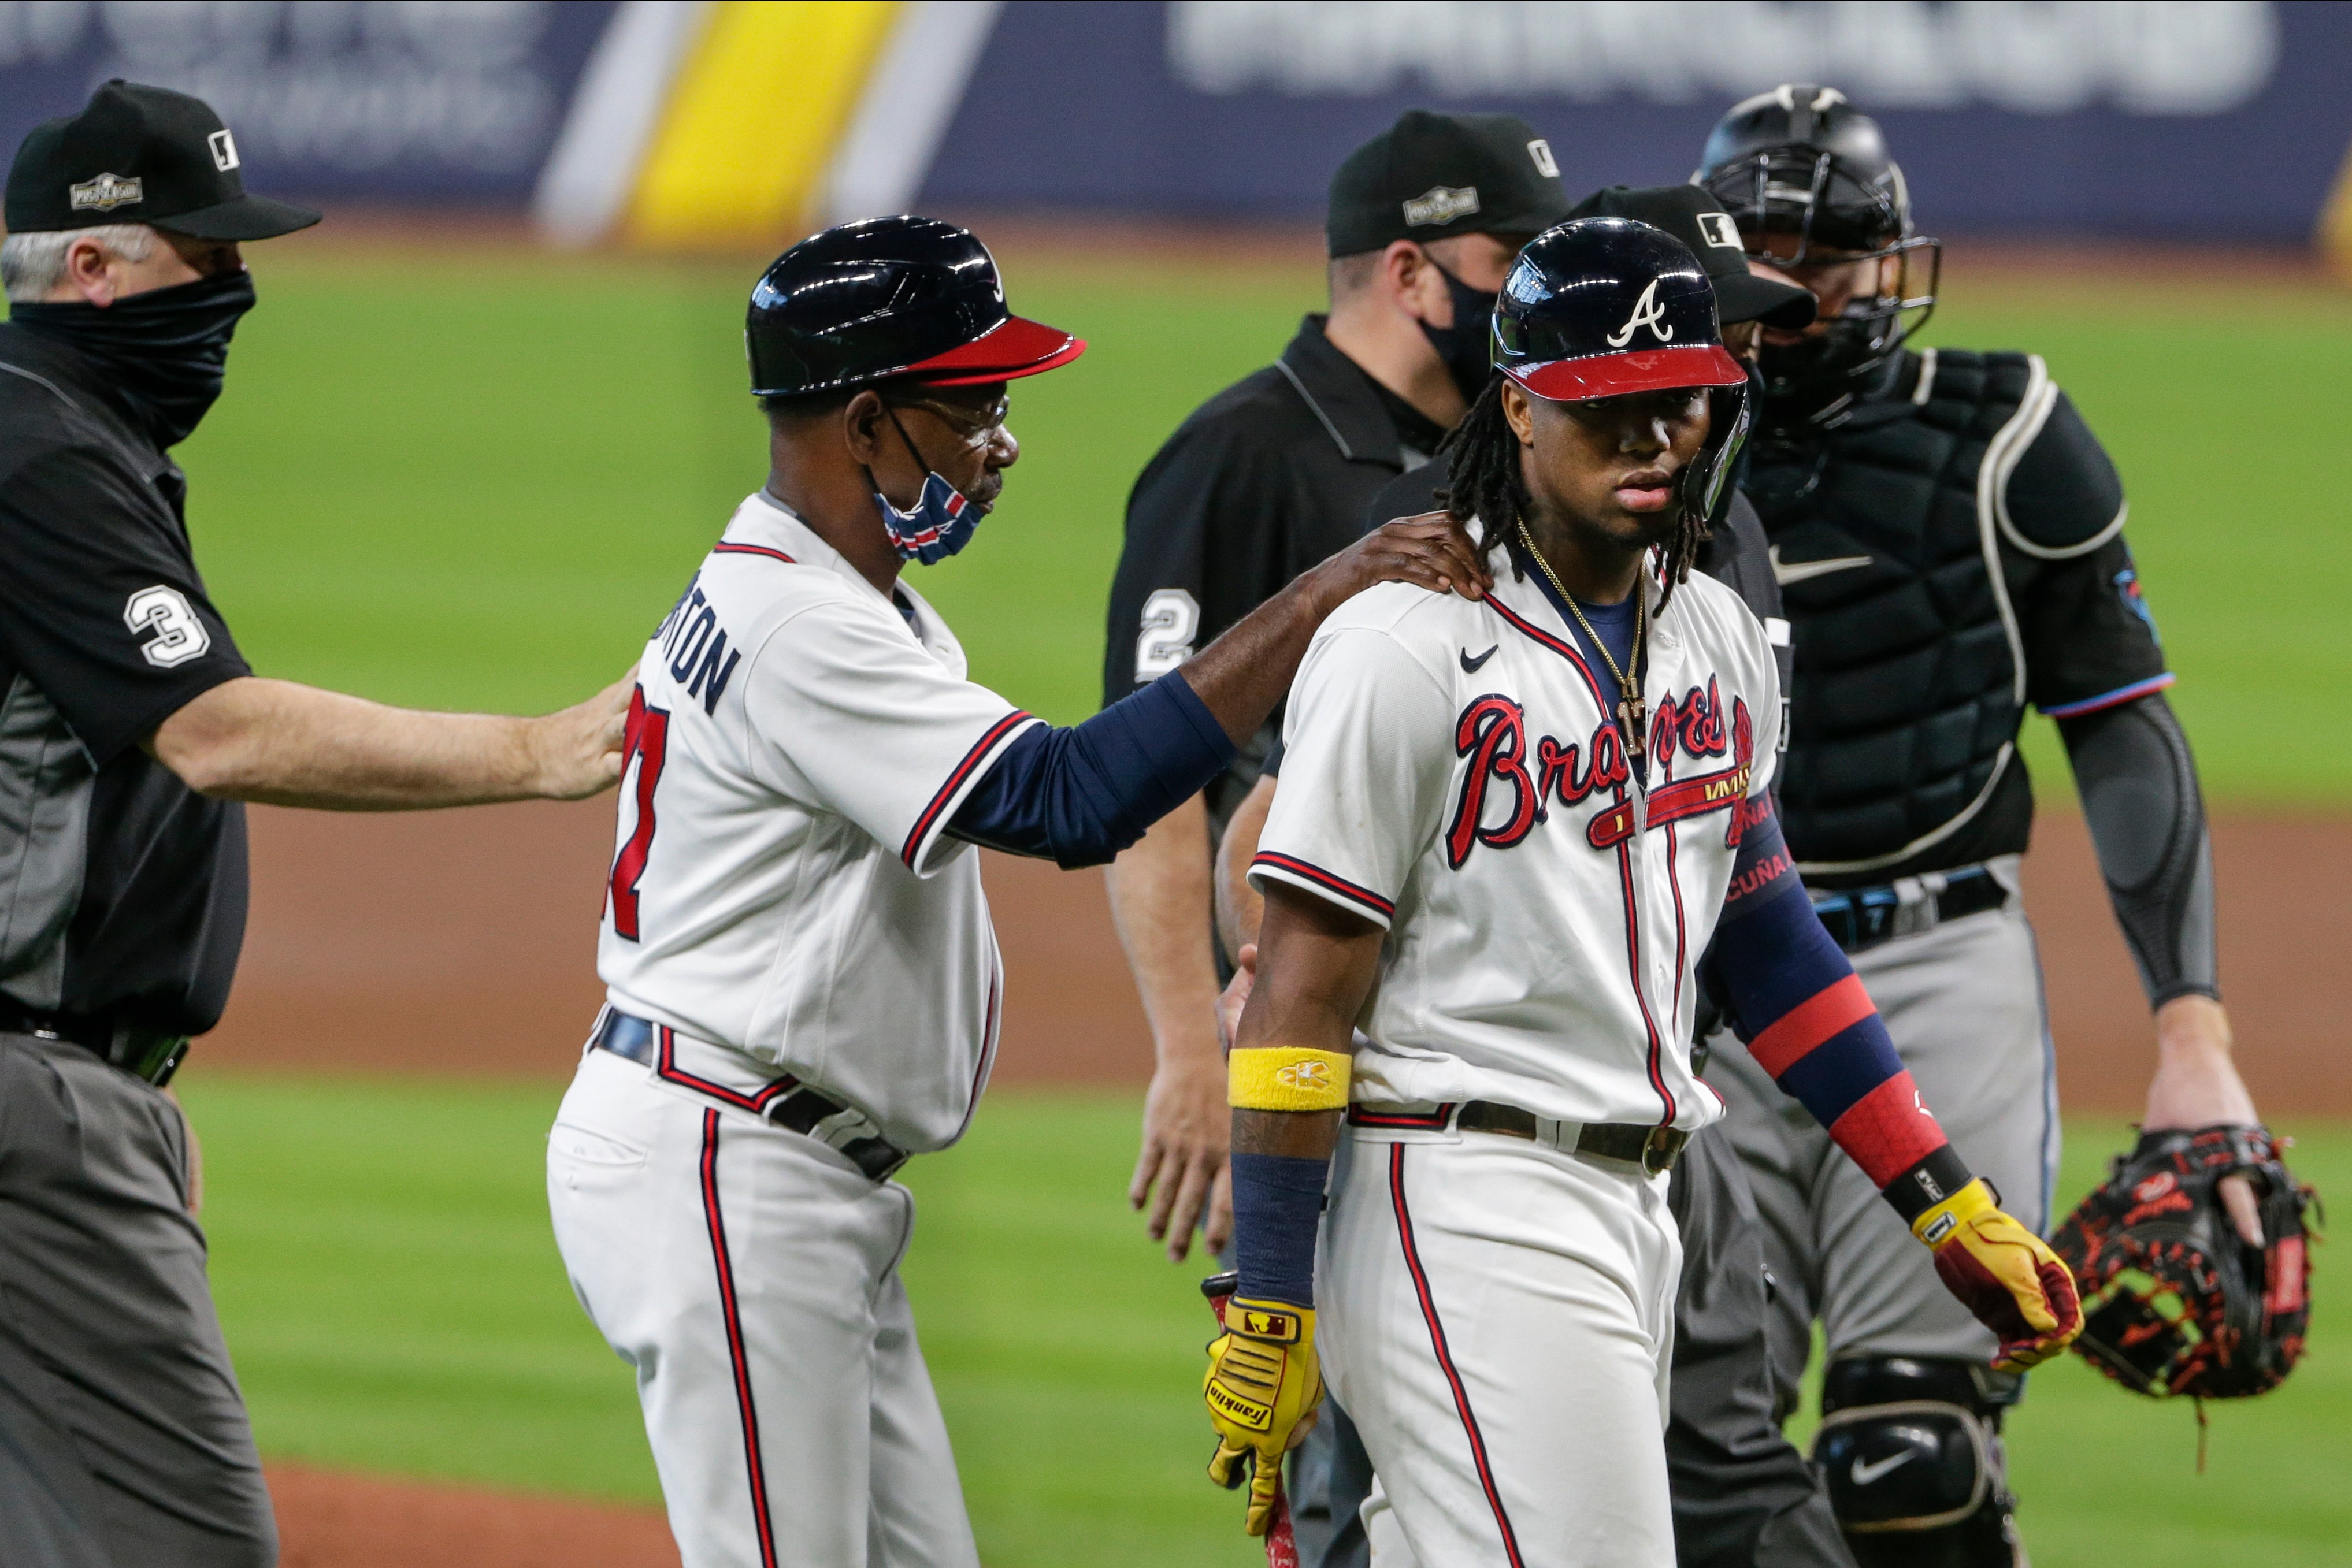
1887 538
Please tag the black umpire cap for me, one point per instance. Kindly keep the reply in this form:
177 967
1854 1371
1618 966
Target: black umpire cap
1698 220
1432 176
887 298
139 154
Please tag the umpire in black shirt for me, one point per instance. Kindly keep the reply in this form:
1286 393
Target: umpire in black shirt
130 730
1264 480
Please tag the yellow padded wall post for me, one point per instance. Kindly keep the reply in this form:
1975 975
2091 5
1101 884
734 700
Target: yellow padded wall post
753 120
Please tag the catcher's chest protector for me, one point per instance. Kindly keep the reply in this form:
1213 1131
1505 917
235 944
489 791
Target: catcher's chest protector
2174 1302
1908 689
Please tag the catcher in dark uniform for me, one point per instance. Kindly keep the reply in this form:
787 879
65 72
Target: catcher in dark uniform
1949 538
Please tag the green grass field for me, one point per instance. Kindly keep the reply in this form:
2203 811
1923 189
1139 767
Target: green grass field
383 1266
479 482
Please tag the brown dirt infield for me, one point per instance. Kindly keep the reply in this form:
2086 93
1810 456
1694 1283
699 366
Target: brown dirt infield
464 942
329 1519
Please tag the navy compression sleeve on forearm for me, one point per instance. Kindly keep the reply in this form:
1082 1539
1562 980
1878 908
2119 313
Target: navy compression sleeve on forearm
1078 796
2147 822
1808 1022
1277 1206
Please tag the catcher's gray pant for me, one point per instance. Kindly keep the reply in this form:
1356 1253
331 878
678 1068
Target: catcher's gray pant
1964 1003
123 1437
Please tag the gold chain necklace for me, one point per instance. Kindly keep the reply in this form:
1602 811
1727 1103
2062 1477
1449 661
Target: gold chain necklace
1633 715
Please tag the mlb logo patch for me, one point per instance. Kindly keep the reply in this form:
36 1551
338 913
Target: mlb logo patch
1719 230
1540 150
224 149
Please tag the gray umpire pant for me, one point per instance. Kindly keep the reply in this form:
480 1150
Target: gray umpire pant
1743 1496
123 1437
1964 1003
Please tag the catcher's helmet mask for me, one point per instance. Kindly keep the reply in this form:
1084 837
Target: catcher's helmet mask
1602 307
1802 160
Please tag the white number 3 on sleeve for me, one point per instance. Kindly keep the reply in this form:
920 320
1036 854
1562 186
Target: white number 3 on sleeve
178 635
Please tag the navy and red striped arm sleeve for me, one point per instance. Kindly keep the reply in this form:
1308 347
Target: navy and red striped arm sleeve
1807 1020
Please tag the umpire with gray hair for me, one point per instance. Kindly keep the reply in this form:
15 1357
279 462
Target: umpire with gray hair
130 730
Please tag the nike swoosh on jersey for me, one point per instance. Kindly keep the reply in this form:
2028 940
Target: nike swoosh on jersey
1470 666
1785 572
1863 1474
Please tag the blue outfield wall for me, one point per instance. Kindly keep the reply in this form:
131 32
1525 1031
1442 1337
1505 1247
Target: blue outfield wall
453 102
2187 119
2187 122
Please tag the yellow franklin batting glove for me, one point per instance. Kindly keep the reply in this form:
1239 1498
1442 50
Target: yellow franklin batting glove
2005 1274
1262 1387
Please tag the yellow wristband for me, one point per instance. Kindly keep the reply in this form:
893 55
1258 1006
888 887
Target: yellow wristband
1287 1078
1965 1205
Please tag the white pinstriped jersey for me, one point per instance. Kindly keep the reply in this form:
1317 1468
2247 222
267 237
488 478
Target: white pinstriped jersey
1449 772
782 885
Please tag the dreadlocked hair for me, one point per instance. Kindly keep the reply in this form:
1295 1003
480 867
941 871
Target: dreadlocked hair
1484 483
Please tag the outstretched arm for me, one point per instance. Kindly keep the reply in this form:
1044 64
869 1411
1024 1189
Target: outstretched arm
281 744
1079 796
1808 1021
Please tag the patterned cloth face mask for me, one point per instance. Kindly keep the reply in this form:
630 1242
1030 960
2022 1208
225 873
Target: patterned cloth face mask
943 518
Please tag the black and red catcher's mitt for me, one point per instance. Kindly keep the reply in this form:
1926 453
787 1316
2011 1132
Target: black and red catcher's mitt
2174 1300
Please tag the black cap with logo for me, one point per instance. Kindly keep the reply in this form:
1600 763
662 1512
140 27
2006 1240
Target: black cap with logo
1432 176
1698 220
139 154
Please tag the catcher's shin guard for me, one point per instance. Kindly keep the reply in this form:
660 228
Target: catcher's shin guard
1910 1449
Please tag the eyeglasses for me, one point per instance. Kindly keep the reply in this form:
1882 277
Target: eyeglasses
973 427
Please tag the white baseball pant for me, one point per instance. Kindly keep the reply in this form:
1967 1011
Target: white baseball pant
1497 1318
751 1275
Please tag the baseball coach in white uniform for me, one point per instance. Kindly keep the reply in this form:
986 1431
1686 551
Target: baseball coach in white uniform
1508 829
803 983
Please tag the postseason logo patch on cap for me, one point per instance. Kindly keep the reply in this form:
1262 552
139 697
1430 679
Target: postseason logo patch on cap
1440 205
106 192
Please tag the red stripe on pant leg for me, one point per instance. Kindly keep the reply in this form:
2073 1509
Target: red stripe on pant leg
735 1353
1446 1356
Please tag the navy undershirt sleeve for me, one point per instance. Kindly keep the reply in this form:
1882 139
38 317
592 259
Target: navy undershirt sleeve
1078 796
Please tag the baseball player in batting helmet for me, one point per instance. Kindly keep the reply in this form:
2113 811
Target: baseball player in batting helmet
1506 833
803 986
1948 535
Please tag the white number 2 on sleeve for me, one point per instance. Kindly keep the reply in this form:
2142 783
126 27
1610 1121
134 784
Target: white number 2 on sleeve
1170 618
178 635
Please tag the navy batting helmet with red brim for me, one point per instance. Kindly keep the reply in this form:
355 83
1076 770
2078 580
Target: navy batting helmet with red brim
886 298
1603 307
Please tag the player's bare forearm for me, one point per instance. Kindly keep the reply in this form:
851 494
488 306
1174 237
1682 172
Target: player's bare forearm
283 744
1242 675
1159 904
1316 964
1240 910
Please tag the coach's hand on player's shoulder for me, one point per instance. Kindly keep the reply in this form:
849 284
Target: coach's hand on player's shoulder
577 750
1431 550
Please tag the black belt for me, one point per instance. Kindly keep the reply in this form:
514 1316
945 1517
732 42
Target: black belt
1653 1149
801 1111
142 1052
1860 917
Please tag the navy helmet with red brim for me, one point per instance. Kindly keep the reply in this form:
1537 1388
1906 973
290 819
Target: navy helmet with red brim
1603 307
884 299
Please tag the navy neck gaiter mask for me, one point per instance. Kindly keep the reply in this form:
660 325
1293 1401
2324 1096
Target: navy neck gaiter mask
164 354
